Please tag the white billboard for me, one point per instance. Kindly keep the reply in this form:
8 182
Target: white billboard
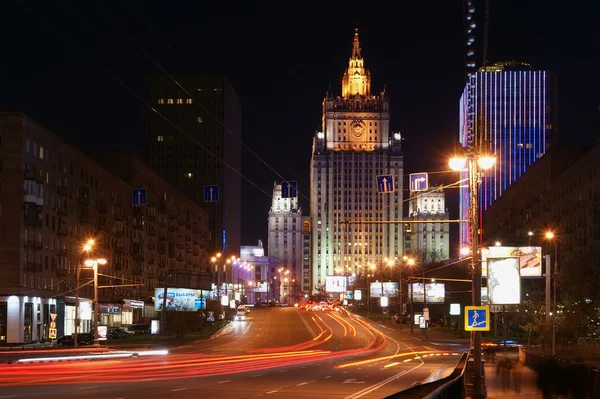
436 292
181 299
260 287
504 282
335 283
390 289
530 259
455 309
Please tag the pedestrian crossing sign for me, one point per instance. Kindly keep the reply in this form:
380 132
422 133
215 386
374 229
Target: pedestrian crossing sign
477 318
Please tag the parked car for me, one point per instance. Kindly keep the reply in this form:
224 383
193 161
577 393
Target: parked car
82 339
118 333
139 328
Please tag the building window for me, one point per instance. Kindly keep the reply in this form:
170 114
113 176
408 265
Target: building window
199 119
189 101
160 138
161 100
0 141
189 175
179 101
27 145
169 101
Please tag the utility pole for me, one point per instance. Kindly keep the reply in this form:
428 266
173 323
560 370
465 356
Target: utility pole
163 313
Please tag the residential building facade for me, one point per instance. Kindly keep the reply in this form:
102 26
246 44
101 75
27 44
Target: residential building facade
193 140
508 108
352 148
428 242
54 199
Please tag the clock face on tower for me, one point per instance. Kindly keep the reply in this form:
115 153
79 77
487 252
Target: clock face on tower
358 127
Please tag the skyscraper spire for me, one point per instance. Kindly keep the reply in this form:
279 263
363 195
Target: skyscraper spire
356 45
356 80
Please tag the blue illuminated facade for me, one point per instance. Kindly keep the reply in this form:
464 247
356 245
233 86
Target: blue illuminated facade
508 106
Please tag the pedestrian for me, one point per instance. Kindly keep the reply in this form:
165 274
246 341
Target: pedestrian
504 367
517 371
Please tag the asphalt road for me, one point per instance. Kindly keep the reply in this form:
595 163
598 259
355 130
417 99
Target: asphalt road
277 352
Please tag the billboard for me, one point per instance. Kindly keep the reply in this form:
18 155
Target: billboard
390 288
530 259
436 292
335 283
181 299
260 287
504 282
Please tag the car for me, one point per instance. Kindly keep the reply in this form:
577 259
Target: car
82 339
240 313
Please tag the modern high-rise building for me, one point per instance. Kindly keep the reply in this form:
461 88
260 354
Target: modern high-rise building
193 140
507 108
428 242
352 148
286 236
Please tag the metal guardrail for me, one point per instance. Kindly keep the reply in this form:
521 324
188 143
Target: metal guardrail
451 387
588 372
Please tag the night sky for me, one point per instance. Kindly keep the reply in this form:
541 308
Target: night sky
281 59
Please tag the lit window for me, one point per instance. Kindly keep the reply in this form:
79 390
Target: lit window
179 101
189 101
160 138
169 101
189 175
161 100
199 119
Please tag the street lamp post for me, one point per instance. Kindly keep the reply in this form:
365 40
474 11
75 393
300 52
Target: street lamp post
87 247
94 264
550 236
473 161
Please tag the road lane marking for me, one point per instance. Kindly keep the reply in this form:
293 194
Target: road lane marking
326 377
304 383
270 392
178 389
223 382
93 386
374 387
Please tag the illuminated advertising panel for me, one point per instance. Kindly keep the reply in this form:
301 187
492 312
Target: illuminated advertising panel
181 299
436 292
455 309
504 282
530 259
335 283
358 295
390 289
260 287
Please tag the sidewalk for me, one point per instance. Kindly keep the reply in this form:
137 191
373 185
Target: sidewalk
494 382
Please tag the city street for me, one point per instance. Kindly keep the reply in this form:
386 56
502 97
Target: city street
280 352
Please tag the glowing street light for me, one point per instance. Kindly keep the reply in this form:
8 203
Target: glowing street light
93 263
87 248
474 161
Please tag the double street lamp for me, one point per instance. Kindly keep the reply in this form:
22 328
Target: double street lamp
400 264
87 247
552 237
474 162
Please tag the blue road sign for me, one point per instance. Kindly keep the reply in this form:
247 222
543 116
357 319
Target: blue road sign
477 318
385 184
138 196
289 189
211 193
419 181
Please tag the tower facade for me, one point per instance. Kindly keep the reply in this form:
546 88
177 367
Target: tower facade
428 242
193 140
286 239
507 107
352 148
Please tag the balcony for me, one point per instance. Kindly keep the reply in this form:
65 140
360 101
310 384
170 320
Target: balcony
138 270
138 255
33 267
62 231
162 265
119 233
61 271
119 249
119 216
188 238
84 218
162 248
152 244
103 226
84 196
151 213
179 257
162 206
181 220
62 191
188 249
102 208
30 244
62 211
118 266
152 232
180 245
171 227
195 251
33 219
61 252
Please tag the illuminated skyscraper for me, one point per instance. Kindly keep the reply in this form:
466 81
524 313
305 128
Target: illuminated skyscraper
508 106
352 148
